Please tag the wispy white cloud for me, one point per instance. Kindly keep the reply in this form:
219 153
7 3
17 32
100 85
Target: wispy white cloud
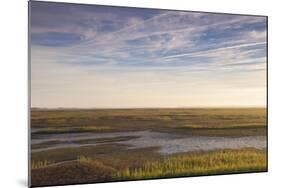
177 55
213 52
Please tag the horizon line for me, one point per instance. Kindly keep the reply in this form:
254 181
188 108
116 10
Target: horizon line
183 107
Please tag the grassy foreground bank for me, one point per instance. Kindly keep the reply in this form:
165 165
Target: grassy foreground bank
91 169
190 164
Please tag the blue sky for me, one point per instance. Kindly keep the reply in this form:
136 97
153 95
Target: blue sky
114 57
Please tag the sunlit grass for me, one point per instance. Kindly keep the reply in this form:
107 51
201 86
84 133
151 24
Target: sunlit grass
88 160
225 161
39 164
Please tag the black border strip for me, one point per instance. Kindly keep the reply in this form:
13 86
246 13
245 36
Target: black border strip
29 93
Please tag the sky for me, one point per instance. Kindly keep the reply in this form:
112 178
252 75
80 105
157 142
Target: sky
90 56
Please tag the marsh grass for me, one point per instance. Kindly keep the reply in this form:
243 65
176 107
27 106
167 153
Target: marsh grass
88 160
190 164
201 121
94 163
119 117
40 164
137 164
57 130
111 161
234 126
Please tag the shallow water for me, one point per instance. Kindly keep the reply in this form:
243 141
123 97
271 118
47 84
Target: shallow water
169 143
195 143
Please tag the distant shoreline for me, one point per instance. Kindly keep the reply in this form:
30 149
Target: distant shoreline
148 108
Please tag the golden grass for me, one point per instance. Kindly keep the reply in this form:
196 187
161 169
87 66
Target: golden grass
91 168
189 164
39 164
88 160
